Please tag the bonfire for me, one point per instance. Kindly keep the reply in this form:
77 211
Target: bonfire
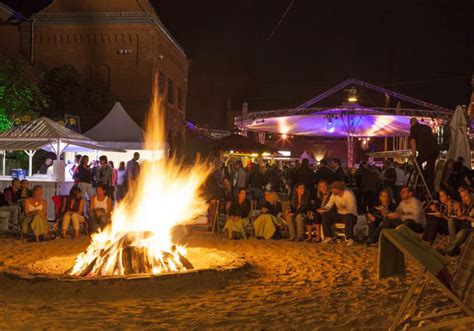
166 194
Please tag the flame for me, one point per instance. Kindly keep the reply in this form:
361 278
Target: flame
165 195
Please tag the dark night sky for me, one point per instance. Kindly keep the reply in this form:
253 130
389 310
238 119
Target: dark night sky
422 48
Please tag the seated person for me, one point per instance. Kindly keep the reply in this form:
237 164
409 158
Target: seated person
297 212
72 211
10 201
269 222
409 212
239 212
464 222
346 212
377 214
24 192
314 218
35 215
100 210
437 217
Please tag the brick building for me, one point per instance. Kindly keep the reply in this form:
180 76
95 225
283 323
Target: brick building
121 42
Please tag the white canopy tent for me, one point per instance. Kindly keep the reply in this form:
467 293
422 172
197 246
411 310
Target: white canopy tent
119 130
44 133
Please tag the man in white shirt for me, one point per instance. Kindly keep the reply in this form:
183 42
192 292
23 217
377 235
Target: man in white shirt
346 212
409 212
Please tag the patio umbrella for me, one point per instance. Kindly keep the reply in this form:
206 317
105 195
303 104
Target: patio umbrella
459 145
238 143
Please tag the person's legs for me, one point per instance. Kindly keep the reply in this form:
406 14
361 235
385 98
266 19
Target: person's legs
93 222
431 228
349 223
372 226
317 226
291 227
327 220
461 237
76 221
300 220
66 221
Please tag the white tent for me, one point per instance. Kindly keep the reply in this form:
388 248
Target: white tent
459 145
117 130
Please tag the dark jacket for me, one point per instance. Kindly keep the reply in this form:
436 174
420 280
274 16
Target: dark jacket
241 210
305 204
273 209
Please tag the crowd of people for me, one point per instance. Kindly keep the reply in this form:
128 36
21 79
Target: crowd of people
317 198
98 186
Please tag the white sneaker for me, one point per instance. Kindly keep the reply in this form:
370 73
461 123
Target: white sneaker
350 242
328 240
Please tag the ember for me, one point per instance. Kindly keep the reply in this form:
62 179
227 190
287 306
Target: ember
138 241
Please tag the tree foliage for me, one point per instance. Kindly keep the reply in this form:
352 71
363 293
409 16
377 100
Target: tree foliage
70 93
19 93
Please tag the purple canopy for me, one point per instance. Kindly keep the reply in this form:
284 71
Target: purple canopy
338 125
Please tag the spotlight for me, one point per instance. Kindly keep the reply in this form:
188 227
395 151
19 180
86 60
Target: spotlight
284 136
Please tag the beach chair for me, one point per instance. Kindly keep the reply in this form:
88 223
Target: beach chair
215 221
422 281
58 204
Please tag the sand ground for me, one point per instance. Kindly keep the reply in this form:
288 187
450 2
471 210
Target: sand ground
296 286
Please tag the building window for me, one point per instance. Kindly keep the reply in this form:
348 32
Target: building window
180 98
171 92
161 83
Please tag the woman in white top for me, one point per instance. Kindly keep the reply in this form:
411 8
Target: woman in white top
35 211
121 182
100 210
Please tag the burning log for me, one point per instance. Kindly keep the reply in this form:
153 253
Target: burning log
128 256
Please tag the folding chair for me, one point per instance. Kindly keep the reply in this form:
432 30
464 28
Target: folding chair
422 281
215 221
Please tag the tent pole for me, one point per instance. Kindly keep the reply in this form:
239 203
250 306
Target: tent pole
30 153
4 162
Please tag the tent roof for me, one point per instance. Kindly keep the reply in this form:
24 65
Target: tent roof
45 133
42 129
117 126
319 125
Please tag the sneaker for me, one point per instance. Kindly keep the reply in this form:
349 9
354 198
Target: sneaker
328 240
349 242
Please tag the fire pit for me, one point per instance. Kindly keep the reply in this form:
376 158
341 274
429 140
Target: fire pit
57 268
165 194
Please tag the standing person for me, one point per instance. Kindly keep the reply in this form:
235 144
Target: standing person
35 214
339 174
401 181
389 176
121 181
369 186
257 182
324 173
346 212
240 178
84 178
133 168
423 141
114 179
104 176
45 166
77 161
305 176
297 212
